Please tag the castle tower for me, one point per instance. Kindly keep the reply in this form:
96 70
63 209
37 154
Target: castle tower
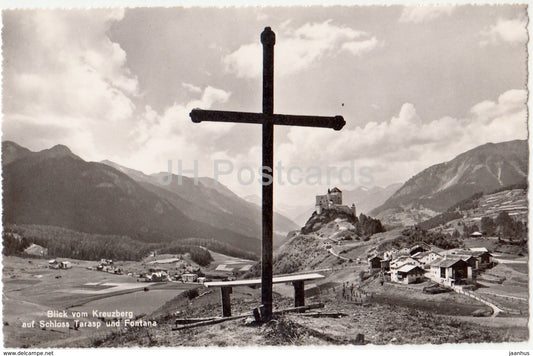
321 203
335 196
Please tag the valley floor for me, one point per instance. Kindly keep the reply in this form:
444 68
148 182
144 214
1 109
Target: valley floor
38 302
392 313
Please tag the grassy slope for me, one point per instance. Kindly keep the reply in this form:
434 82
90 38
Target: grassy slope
381 324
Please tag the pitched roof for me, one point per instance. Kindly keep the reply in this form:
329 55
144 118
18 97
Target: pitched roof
34 249
408 268
336 190
480 253
456 251
403 257
479 249
447 262
402 261
422 254
417 246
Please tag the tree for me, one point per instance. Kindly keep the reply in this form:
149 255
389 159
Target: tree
503 219
367 226
488 227
456 234
506 225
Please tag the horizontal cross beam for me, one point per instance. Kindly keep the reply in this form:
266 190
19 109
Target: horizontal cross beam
332 122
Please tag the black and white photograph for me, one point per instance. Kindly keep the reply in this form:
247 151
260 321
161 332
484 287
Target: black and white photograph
288 175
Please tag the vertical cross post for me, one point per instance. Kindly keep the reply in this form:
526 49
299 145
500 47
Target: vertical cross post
268 39
268 119
299 293
225 293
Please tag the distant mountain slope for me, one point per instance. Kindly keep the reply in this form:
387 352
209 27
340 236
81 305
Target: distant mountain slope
210 202
12 151
296 213
366 199
55 187
482 169
512 199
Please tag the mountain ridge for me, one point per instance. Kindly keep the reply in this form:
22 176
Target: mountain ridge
55 187
481 169
210 202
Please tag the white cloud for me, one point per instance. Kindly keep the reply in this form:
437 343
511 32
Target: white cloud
245 62
299 49
407 142
425 13
507 103
171 135
360 47
192 88
58 78
512 31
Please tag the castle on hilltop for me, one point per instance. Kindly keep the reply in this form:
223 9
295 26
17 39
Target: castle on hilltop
333 201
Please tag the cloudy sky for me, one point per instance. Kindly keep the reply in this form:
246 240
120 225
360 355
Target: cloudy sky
416 85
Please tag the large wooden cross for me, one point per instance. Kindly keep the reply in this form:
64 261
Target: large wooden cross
268 119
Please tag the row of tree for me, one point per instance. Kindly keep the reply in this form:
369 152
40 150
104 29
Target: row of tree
412 236
66 243
14 244
461 208
505 227
62 242
221 247
367 226
199 255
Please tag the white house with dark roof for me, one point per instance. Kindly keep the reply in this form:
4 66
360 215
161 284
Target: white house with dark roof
407 274
403 260
451 271
483 255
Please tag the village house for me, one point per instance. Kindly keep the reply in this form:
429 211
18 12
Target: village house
472 261
385 265
156 275
189 277
374 264
403 260
450 267
407 274
55 264
390 254
36 250
426 257
465 255
484 257
418 248
404 251
451 271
